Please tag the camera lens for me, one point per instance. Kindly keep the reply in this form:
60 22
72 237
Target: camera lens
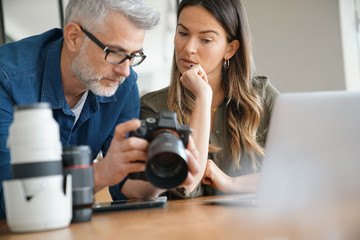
77 162
167 161
166 164
35 148
35 197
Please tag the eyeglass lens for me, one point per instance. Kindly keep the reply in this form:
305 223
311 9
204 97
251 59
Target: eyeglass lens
117 57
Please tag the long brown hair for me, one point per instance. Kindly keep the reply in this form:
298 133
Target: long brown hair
243 106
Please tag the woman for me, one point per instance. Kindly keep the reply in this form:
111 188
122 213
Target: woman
212 90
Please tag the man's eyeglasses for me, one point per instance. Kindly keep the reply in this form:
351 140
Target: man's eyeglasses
116 57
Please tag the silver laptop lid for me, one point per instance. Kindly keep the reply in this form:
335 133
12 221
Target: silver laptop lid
311 169
313 147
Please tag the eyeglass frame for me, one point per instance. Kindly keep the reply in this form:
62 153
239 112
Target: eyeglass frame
107 50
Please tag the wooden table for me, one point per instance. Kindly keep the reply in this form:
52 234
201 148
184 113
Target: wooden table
181 219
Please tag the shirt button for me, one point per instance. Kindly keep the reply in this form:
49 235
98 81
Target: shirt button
217 132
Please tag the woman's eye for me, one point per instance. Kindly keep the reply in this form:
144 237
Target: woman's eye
182 34
207 40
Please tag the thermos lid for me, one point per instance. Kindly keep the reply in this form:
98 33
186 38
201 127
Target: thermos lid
32 106
76 155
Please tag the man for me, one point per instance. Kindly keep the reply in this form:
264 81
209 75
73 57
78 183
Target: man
85 73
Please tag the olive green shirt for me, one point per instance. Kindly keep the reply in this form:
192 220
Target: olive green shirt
155 101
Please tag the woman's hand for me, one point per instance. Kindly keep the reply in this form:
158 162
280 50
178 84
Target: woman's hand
216 178
195 80
193 162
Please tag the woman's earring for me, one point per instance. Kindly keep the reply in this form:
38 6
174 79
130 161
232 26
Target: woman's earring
226 63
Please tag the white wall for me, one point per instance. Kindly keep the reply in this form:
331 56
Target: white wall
306 45
154 72
24 18
298 44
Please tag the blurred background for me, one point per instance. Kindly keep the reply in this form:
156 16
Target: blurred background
308 45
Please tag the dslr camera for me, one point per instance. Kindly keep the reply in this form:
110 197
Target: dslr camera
166 164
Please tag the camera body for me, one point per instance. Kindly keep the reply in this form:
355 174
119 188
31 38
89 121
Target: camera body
166 121
166 165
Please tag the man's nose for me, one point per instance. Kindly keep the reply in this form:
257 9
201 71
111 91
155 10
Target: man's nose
123 68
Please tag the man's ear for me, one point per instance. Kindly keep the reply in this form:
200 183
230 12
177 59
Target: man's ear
231 49
73 37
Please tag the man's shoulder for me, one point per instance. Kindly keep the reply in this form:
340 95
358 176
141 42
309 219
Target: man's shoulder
27 63
27 52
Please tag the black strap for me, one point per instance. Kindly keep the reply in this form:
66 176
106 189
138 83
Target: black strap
37 169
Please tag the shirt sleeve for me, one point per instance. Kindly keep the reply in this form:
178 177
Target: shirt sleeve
6 118
183 193
115 191
268 93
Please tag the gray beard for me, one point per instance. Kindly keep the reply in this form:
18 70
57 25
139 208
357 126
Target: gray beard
82 69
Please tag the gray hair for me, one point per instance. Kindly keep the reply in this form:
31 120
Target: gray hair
91 13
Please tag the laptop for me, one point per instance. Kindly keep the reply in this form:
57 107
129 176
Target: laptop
312 152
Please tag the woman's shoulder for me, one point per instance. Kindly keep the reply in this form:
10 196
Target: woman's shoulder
155 100
162 93
259 81
268 94
264 87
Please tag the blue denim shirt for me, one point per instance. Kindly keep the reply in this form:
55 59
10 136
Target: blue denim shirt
30 72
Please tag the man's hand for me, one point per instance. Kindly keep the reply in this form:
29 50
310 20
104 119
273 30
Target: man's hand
141 189
120 159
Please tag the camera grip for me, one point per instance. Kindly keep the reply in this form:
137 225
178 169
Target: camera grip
137 176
